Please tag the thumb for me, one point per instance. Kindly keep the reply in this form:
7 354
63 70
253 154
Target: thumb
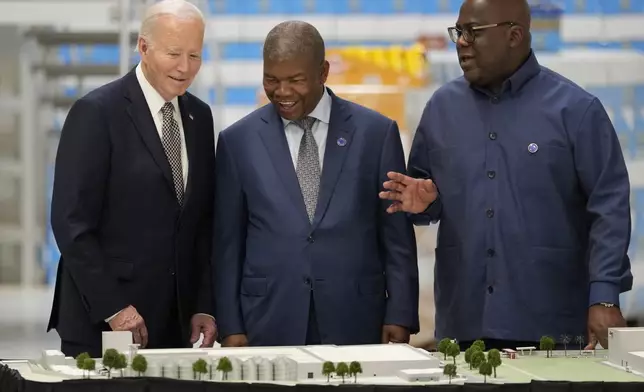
196 333
592 341
385 336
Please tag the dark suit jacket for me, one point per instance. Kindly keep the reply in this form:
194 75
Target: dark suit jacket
123 237
358 260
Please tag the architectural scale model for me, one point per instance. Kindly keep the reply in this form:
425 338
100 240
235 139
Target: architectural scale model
384 364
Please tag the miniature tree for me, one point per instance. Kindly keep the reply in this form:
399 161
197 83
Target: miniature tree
139 364
565 340
478 357
121 363
486 370
453 351
468 356
342 370
580 341
89 365
480 344
354 368
199 368
110 359
327 370
547 344
80 361
225 366
494 359
450 371
443 346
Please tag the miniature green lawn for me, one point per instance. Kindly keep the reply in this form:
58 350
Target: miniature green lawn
527 368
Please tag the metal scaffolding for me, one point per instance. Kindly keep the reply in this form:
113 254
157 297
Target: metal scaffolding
42 100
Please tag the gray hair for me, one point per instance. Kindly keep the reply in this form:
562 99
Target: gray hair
294 38
178 8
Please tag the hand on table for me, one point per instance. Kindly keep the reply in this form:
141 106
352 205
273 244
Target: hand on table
237 340
600 318
394 334
203 323
129 319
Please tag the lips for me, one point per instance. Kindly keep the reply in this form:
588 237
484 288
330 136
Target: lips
466 61
178 79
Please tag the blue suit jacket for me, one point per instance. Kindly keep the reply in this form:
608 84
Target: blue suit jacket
358 261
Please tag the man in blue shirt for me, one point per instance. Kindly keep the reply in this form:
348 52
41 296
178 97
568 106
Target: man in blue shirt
525 173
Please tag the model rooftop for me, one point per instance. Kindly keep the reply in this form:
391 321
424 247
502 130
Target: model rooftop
368 353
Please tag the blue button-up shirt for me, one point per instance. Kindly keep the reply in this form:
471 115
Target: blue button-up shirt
534 215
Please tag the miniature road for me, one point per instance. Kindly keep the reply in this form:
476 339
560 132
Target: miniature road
532 376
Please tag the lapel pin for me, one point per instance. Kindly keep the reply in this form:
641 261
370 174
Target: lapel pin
342 142
532 147
190 115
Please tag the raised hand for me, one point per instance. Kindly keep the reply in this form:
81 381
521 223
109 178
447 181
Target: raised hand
408 194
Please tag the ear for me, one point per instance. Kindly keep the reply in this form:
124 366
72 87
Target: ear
516 35
143 46
325 72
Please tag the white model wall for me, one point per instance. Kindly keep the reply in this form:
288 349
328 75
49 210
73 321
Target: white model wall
623 342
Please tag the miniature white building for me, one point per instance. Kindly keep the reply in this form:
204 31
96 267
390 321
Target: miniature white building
396 362
626 348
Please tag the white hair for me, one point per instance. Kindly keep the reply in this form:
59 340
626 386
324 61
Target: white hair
178 8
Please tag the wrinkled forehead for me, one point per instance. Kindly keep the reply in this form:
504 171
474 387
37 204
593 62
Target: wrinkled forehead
477 12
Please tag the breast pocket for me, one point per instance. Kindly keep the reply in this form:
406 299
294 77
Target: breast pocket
447 167
543 166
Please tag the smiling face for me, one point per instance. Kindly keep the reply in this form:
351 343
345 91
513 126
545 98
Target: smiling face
487 59
171 56
295 86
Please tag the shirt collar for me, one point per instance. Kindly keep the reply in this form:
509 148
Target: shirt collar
322 111
152 97
521 76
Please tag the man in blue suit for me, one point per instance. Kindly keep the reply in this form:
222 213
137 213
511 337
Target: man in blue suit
304 250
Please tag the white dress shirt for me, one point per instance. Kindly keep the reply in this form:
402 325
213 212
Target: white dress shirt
294 133
155 102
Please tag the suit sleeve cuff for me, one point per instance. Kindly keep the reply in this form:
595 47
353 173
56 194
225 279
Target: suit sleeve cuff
604 292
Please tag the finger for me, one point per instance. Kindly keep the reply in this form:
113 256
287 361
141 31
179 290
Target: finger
136 336
405 180
592 341
143 331
385 336
394 207
393 186
388 195
196 333
208 338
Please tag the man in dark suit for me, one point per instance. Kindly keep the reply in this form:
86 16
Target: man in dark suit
132 199
304 250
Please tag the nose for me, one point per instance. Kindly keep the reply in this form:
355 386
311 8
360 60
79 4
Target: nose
283 90
182 65
461 42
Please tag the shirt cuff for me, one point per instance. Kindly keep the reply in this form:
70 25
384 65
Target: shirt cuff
107 320
604 292
206 314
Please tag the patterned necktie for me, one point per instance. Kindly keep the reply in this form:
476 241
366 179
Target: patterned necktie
172 146
308 166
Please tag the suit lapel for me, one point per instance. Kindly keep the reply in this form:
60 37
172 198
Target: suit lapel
144 123
337 147
189 131
274 139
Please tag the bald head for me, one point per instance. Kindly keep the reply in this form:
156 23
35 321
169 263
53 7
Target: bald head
165 10
294 39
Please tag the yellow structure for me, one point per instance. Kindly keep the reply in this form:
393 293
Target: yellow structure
376 77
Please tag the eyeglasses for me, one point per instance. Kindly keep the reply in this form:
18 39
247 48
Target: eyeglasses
468 32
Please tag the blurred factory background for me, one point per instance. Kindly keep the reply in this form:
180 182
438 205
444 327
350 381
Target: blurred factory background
387 54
